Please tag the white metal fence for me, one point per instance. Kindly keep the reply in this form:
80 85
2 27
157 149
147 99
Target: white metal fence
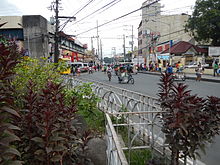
142 114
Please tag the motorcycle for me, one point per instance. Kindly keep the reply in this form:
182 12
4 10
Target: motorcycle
179 76
109 74
90 70
126 79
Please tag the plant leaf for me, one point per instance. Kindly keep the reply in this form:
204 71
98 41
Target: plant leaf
48 149
13 151
11 111
56 158
38 140
60 148
39 152
16 162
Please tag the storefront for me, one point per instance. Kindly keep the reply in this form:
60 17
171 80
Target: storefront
75 57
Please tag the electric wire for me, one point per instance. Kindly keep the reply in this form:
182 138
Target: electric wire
106 8
95 11
89 16
139 16
89 2
120 17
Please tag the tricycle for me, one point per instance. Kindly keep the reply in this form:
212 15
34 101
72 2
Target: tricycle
179 76
126 79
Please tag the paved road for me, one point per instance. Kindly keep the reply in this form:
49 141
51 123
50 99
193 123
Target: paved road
148 84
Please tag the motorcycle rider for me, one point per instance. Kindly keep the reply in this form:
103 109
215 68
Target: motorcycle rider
109 70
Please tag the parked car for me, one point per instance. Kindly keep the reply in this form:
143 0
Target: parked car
194 65
83 66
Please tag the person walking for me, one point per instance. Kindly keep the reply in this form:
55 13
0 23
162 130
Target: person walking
78 71
215 68
169 69
199 71
160 66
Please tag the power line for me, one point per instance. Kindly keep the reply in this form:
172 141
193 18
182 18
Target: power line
120 17
153 12
114 3
64 24
107 8
96 11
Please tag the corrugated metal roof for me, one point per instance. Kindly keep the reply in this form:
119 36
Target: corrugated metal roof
182 47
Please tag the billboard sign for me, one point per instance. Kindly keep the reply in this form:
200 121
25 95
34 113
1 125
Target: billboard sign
214 51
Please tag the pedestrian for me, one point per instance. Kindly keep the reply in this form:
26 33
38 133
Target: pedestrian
78 71
73 70
199 71
169 69
150 66
160 65
215 68
218 71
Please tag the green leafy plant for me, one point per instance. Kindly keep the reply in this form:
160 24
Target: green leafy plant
47 134
45 115
189 121
38 71
87 105
9 57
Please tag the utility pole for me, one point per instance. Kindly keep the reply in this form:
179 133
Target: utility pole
124 46
98 41
56 36
56 45
132 39
101 51
92 45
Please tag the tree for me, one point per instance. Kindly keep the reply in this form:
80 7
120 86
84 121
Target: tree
204 23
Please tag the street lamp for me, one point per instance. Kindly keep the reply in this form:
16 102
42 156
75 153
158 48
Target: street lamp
169 35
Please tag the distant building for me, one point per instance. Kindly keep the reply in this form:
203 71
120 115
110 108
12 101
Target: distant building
35 35
10 26
157 33
71 47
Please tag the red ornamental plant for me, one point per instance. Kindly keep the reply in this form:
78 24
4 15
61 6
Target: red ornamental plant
189 122
8 59
48 135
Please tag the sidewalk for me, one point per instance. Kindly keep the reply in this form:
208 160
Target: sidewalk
191 76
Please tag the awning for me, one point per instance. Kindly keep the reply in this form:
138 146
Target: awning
163 57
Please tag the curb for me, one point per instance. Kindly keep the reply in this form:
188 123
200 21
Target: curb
187 77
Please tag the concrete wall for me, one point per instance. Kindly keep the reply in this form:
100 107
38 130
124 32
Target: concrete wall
167 27
36 35
13 22
192 70
171 27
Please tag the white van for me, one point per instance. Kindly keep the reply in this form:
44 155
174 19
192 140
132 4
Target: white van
83 66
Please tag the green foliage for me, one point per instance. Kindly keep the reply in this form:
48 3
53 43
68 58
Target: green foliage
38 71
43 122
8 59
189 122
139 157
87 105
47 133
204 23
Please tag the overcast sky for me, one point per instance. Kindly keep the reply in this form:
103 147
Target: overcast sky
110 33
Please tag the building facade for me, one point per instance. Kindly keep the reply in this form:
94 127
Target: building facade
35 35
158 32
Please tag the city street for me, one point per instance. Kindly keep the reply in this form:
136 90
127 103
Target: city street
148 84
